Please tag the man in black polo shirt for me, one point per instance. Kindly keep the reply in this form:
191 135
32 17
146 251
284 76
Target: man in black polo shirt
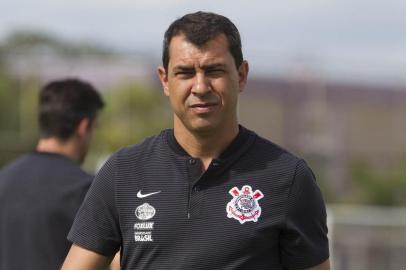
41 191
209 194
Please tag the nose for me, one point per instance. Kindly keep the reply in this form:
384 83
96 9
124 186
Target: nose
201 85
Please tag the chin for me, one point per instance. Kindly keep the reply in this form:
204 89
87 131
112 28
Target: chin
200 124
204 127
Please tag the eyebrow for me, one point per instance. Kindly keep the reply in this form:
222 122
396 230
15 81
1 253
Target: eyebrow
183 67
213 66
204 67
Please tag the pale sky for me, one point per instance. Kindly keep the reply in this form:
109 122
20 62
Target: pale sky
339 39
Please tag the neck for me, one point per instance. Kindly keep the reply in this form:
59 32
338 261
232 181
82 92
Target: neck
205 145
54 145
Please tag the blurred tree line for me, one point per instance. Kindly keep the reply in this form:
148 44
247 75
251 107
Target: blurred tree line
369 184
379 187
17 120
133 110
132 113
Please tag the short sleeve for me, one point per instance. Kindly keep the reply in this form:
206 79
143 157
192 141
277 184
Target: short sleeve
96 225
303 241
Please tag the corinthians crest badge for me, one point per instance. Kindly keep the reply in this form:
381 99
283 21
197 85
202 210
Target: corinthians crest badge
244 205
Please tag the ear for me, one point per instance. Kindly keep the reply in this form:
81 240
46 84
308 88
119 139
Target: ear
83 127
163 77
243 75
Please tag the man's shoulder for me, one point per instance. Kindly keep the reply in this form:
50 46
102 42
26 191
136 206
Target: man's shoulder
155 144
266 148
17 164
46 168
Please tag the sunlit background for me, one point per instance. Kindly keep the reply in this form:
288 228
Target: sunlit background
327 82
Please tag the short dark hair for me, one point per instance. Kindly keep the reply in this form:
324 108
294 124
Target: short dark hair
63 104
201 27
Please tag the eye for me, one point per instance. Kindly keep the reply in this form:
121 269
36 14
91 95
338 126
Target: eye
184 73
216 72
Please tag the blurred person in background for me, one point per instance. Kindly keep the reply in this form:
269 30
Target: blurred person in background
209 193
41 191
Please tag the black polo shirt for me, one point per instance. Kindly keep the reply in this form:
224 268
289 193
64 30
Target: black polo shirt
256 207
40 194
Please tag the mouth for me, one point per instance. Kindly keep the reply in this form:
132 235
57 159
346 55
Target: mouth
203 107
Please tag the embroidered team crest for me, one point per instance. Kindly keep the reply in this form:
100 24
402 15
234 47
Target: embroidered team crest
244 205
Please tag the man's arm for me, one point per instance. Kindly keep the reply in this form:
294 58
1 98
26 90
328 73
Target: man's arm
323 266
83 259
115 264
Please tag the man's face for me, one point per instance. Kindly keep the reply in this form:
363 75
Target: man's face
203 84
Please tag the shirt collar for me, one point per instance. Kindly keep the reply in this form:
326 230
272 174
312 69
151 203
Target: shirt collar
241 138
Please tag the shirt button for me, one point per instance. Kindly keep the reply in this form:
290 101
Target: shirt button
196 189
192 161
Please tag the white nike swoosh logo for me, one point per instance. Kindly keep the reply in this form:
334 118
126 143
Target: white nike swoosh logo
140 195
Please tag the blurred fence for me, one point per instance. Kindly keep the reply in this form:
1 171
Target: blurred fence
367 238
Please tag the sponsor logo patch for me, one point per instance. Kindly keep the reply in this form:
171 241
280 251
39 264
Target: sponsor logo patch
145 211
244 204
143 229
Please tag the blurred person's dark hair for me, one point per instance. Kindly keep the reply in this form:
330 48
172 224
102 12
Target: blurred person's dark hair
201 27
63 104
